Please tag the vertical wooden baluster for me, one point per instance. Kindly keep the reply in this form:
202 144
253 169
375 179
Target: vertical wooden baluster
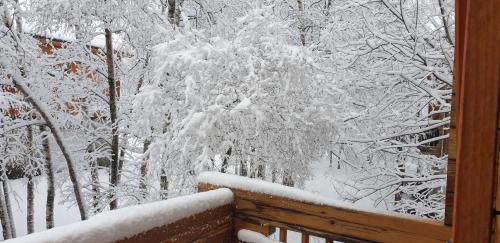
328 241
305 238
283 235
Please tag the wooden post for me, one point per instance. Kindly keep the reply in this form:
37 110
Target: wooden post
305 238
479 81
460 13
283 232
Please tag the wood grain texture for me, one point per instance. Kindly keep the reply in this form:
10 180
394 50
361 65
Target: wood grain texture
213 226
479 82
327 221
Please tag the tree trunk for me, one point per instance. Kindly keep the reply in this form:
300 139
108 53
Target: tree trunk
446 26
330 155
253 169
163 177
30 224
8 207
57 136
302 29
30 197
93 162
94 176
144 170
287 179
243 168
253 165
19 21
49 210
225 161
171 13
113 115
261 170
4 217
121 159
401 168
164 184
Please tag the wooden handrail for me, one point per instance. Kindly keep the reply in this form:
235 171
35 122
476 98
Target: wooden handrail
332 223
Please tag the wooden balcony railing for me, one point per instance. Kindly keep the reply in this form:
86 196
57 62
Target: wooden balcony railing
216 215
262 207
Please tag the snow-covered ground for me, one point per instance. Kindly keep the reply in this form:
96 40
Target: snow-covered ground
66 213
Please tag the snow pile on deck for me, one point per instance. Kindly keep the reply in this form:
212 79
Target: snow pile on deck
127 222
269 188
253 237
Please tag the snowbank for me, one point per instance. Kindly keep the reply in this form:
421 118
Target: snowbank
126 222
253 237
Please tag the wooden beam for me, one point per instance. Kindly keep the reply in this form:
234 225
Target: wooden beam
479 81
329 221
460 13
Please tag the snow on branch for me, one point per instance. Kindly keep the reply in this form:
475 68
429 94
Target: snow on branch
21 125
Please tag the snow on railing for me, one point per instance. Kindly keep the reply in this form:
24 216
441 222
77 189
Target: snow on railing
128 222
274 189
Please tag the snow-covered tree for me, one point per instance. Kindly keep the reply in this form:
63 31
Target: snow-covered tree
396 59
256 103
